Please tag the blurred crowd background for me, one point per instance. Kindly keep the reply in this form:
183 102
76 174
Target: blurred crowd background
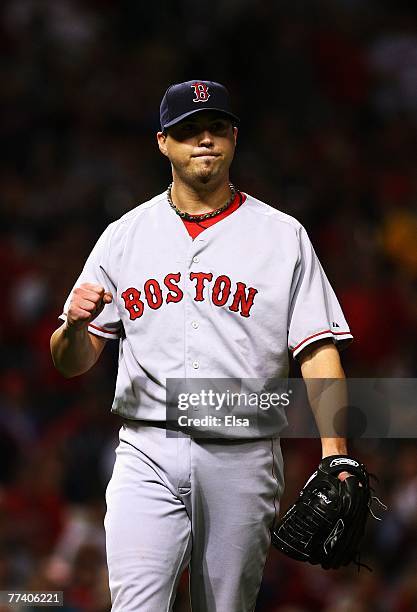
327 94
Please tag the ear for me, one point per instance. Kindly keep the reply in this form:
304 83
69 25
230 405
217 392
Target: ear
161 137
235 132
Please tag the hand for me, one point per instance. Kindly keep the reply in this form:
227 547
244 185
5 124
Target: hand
333 538
343 475
87 302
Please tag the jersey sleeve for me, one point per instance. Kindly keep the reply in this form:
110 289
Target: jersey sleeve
96 271
315 312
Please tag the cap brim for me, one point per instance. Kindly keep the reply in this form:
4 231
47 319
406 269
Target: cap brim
233 117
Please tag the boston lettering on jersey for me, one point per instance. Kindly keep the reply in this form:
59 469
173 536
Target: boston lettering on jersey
240 299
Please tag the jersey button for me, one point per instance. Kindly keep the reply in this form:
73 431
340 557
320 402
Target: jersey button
194 324
196 365
196 259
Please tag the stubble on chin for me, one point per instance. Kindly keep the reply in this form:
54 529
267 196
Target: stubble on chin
207 173
204 175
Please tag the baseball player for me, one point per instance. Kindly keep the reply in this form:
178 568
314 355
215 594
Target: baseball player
201 281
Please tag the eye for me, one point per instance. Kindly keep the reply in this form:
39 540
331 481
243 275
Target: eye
219 126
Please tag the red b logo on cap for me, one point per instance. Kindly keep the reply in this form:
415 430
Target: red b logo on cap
201 92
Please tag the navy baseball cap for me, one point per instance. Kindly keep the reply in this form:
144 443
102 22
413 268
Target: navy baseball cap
184 99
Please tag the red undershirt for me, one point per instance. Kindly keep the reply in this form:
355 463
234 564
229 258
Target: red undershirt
194 229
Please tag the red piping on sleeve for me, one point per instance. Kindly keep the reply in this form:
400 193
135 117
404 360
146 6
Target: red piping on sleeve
106 331
326 331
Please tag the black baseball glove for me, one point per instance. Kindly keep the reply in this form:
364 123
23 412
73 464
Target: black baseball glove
327 523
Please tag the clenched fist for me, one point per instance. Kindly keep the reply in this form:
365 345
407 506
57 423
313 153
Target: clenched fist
87 302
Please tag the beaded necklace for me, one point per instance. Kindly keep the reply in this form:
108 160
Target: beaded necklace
203 216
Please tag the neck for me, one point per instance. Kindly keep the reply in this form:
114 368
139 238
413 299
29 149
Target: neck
200 200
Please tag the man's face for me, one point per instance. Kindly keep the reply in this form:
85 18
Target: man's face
200 148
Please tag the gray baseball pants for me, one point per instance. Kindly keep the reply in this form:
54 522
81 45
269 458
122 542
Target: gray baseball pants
178 502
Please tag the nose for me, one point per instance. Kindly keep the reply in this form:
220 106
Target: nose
205 139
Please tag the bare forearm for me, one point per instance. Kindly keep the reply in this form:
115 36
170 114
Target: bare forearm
329 408
73 351
327 394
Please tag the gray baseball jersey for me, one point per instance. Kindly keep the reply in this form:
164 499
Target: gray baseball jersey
228 304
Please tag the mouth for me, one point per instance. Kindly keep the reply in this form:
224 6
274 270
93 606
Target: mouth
209 155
